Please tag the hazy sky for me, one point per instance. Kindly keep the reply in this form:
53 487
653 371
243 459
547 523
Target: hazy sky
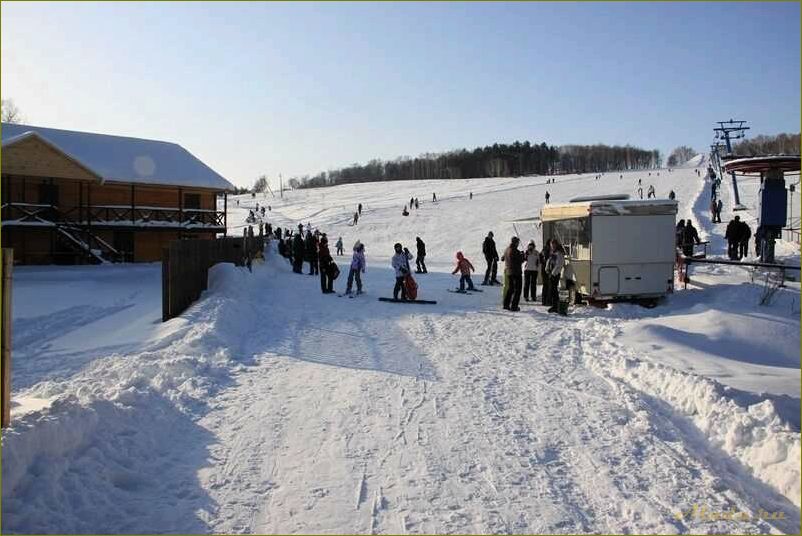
254 88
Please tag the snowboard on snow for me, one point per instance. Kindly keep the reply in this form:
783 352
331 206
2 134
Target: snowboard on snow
352 295
466 291
391 300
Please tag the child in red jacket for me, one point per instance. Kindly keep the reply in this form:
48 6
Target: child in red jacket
465 268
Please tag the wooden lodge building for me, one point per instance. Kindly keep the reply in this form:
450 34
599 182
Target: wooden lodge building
75 197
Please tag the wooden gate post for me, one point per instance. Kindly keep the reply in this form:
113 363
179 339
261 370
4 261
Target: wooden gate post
8 264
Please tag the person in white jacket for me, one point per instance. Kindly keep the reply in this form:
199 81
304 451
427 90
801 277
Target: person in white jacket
531 269
558 253
400 263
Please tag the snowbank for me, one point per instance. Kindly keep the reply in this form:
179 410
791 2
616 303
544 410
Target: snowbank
754 435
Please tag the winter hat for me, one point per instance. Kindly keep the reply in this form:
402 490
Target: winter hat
397 245
490 234
357 245
514 240
459 255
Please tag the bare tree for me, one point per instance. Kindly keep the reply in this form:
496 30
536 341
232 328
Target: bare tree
10 112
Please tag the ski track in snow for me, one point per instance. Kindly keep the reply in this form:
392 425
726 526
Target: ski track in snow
305 413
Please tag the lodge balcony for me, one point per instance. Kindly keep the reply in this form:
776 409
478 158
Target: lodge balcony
113 217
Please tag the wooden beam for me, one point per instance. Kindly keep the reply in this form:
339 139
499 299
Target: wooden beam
5 351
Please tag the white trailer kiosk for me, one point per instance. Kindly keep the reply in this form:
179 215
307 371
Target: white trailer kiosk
619 248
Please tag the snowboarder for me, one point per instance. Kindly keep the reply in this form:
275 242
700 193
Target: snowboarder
339 246
672 195
405 212
719 207
356 218
328 269
548 196
357 268
491 256
400 263
532 257
513 259
464 267
470 195
556 268
359 209
420 259
689 237
434 197
416 203
650 192
640 192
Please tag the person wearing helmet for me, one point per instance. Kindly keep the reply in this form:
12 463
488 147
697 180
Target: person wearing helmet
464 267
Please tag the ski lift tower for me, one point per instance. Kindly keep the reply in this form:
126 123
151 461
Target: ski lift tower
732 130
715 155
773 214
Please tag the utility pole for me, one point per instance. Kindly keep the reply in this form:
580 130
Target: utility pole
732 130
281 185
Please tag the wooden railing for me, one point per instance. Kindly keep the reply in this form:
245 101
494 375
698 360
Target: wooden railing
136 216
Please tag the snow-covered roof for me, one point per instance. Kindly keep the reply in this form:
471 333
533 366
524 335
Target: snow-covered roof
123 159
602 207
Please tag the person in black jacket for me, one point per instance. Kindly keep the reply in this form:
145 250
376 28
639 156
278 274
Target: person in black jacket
733 236
420 258
298 252
311 252
689 237
513 260
326 266
491 256
545 262
743 242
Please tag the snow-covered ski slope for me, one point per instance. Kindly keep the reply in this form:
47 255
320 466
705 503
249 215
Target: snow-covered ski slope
270 407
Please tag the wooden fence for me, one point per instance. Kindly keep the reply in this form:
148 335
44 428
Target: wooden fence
186 263
8 263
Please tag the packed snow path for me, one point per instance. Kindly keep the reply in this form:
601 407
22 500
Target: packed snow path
471 422
271 408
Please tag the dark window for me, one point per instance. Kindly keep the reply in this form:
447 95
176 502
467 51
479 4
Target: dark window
573 234
192 201
48 194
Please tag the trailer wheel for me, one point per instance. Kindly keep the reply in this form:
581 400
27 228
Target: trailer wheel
648 303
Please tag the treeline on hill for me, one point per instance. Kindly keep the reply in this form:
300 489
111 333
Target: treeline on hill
498 160
680 155
762 145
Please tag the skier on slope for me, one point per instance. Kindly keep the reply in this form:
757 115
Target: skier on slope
400 263
358 265
491 256
464 267
420 259
339 245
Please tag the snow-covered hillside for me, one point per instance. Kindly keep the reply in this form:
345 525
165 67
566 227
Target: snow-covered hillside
270 407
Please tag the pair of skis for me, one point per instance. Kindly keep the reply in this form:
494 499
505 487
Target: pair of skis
468 291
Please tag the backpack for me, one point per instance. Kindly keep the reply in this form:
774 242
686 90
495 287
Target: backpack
334 271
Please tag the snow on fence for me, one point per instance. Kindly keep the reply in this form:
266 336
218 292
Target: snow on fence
5 366
186 263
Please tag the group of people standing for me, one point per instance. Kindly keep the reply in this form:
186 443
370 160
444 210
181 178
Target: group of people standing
521 270
737 235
